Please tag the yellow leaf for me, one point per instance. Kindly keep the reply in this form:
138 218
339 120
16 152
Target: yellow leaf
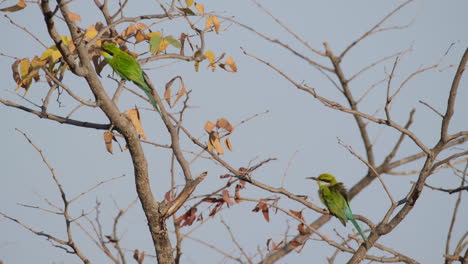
91 32
216 24
224 123
68 42
230 63
210 147
74 16
189 3
162 46
20 5
153 33
214 140
134 116
196 65
228 144
108 137
24 67
211 58
51 55
209 126
209 22
200 8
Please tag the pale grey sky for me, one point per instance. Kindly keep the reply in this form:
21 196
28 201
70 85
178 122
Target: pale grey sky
297 128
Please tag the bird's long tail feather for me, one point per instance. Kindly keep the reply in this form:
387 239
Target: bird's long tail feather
153 101
350 216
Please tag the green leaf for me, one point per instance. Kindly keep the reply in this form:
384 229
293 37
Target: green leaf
187 11
174 42
154 43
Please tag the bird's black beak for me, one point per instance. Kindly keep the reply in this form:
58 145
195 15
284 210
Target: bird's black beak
312 178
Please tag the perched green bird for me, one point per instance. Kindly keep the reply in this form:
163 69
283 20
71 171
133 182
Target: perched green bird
128 68
335 197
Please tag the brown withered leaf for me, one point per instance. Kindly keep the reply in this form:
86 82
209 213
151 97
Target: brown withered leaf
16 74
217 207
214 141
226 197
187 218
237 193
224 124
179 94
294 243
129 30
227 143
224 176
229 65
210 200
20 5
74 16
142 257
209 126
140 36
264 208
297 214
134 116
136 254
141 26
108 137
170 195
302 229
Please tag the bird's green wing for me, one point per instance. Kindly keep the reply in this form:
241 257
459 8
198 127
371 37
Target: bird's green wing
334 201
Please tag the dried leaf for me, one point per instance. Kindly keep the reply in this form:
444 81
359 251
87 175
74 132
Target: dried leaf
264 208
20 5
209 126
227 143
214 140
142 257
51 55
108 137
187 11
91 32
140 36
74 16
294 243
134 116
210 200
237 193
16 75
189 3
136 254
141 26
180 92
226 197
211 58
229 63
129 30
224 123
209 22
216 24
188 218
200 8
302 229
297 214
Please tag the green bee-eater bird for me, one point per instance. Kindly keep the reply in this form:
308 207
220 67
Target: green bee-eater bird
128 68
335 197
